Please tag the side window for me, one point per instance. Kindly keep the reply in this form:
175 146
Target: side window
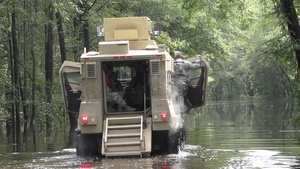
123 75
195 73
72 85
74 78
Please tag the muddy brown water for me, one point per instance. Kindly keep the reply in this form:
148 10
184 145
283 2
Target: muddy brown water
220 135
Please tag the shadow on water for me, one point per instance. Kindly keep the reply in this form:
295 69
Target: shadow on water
220 135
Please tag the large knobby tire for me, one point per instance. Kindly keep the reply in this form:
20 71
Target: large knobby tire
173 142
166 142
87 145
80 147
182 138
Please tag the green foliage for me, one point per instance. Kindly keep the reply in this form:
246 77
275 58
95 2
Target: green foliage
246 43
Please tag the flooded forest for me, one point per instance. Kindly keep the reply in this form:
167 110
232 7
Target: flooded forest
251 118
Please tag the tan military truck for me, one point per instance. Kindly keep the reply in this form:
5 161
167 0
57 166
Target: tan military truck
151 124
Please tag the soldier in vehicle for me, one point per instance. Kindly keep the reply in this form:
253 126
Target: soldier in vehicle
181 76
112 94
112 81
134 93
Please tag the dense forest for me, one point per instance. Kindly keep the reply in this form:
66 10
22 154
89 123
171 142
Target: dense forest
252 47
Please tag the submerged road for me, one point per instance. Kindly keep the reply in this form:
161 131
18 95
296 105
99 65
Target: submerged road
220 135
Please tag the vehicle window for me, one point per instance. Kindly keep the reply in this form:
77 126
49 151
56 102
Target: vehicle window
74 77
195 73
124 73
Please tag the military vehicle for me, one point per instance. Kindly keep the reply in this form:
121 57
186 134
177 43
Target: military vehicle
152 124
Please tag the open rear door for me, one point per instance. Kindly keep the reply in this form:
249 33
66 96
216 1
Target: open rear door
70 81
196 91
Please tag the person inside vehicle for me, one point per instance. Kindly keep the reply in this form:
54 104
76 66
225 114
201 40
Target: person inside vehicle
134 93
112 81
138 80
113 95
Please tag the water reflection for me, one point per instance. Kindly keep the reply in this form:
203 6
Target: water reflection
251 135
220 135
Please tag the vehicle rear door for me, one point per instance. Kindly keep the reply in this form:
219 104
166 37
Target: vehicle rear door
70 81
195 96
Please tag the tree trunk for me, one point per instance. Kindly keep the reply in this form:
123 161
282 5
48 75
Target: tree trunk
33 62
293 25
61 37
49 60
76 36
33 88
72 116
16 78
86 36
23 89
11 109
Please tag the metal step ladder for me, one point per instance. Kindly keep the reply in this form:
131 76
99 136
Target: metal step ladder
123 136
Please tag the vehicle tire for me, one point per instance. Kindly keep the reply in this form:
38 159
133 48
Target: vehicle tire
87 145
159 142
173 142
165 142
81 149
182 138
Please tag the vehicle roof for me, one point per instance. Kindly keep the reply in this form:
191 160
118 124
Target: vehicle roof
94 54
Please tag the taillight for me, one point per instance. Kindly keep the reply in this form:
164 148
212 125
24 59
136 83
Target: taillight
164 116
85 119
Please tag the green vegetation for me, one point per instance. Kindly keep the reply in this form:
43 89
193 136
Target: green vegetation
252 47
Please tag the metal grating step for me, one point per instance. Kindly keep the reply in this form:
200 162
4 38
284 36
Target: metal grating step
124 143
126 153
124 126
124 118
123 135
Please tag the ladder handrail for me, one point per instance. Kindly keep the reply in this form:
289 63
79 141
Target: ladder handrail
106 128
145 97
141 136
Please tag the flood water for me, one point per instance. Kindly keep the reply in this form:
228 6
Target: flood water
220 135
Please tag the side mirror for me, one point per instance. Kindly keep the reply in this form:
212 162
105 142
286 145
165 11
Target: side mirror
157 28
100 31
156 33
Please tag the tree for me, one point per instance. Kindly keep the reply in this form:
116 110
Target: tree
49 58
61 36
16 79
293 25
250 45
